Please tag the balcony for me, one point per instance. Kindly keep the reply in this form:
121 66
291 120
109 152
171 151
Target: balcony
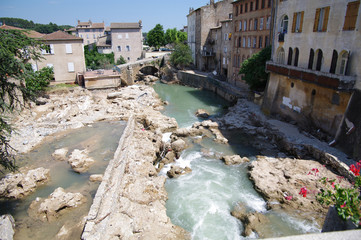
324 79
206 53
281 37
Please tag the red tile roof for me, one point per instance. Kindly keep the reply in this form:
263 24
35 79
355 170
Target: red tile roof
59 35
125 25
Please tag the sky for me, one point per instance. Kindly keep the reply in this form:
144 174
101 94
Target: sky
169 13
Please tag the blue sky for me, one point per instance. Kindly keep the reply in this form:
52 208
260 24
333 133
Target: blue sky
169 13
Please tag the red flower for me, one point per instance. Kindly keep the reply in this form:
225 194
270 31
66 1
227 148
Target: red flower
303 192
343 205
333 185
355 170
289 198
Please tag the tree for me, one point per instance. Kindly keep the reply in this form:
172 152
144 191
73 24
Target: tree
121 60
170 36
182 37
16 50
155 37
181 56
95 60
254 69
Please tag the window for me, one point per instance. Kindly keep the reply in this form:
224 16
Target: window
245 25
256 7
263 4
351 15
310 59
269 3
87 36
119 48
255 24
297 54
225 37
260 44
94 36
81 35
225 49
240 26
249 42
342 62
126 35
88 42
224 60
321 19
251 7
254 42
290 53
261 23
246 7
241 9
48 49
244 42
240 42
68 48
283 24
281 56
128 58
237 10
297 22
119 36
128 48
319 59
268 24
334 62
250 24
70 67
266 41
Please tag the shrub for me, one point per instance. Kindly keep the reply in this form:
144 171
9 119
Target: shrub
181 56
39 80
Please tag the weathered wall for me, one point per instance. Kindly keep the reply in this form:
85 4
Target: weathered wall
201 81
305 102
124 38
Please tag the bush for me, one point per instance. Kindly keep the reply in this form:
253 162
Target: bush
254 69
181 56
121 60
39 80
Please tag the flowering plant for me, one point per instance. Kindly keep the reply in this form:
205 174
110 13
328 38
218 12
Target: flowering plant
347 201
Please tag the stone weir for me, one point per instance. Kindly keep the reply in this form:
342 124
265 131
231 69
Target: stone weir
130 201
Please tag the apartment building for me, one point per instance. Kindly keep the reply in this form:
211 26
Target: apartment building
65 53
200 22
126 40
89 31
315 67
251 33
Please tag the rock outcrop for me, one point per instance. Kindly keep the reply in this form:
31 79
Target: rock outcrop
59 201
234 159
176 171
21 184
201 113
60 154
7 225
80 161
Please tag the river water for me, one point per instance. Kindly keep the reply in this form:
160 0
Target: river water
201 201
101 140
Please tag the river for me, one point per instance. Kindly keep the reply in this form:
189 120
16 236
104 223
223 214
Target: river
201 201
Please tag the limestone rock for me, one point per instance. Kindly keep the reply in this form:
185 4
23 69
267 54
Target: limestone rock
201 113
235 159
96 177
70 231
80 161
150 78
22 184
60 154
50 208
176 171
7 225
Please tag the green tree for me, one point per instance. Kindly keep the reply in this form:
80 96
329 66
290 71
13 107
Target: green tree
171 36
155 37
121 60
95 60
16 50
182 37
254 69
181 56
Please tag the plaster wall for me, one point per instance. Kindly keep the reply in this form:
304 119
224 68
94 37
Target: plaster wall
124 38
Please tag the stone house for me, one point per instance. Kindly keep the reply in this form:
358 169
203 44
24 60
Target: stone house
126 40
89 31
251 32
199 23
315 67
65 53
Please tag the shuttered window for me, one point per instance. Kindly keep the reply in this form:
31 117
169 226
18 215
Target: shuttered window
68 48
351 15
297 21
70 67
321 19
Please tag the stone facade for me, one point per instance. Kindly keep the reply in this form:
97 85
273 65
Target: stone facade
89 31
315 62
126 40
250 33
200 21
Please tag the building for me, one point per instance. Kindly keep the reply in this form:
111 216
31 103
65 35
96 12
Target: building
89 31
65 53
315 68
200 22
251 32
126 40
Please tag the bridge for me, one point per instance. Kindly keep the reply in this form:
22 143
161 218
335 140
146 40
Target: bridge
121 75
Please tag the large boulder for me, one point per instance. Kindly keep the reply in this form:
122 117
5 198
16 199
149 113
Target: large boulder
201 113
22 184
60 154
50 208
7 225
234 159
96 178
80 161
176 171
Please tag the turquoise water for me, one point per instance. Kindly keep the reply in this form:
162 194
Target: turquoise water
101 140
201 201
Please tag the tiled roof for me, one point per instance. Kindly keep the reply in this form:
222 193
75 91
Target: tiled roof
29 33
97 25
84 23
59 35
102 42
125 25
71 30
